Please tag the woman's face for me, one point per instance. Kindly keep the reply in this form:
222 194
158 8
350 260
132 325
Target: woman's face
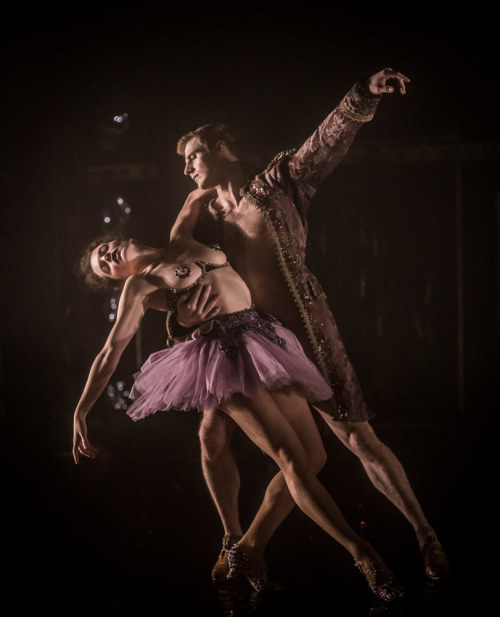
114 260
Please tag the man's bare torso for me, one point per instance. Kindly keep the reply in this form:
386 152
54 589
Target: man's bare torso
249 247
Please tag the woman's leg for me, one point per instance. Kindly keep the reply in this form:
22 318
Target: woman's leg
268 426
219 468
222 478
278 502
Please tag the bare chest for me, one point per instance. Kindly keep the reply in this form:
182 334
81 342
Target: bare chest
246 222
246 238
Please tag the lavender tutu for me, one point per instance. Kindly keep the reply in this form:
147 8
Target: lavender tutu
242 352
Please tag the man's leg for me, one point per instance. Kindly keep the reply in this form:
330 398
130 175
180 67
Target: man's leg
388 476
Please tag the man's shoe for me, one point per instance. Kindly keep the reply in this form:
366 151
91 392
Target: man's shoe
435 560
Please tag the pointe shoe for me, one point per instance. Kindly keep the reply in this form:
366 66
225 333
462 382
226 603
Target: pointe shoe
238 568
221 567
436 563
386 587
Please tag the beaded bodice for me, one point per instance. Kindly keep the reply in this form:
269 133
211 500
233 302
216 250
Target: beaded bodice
173 294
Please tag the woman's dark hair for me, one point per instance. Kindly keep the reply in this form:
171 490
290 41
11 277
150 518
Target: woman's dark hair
83 268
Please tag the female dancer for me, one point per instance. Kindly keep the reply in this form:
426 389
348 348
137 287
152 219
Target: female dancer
245 363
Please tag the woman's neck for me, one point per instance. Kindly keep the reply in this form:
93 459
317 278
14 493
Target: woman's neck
152 258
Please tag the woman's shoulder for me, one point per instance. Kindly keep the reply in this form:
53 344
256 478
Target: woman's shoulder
141 285
146 289
191 250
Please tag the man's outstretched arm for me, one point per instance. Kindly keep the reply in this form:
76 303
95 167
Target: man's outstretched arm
327 146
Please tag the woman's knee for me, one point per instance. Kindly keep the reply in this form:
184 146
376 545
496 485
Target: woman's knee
293 465
317 458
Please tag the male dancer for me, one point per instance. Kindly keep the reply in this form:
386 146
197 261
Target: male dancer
261 224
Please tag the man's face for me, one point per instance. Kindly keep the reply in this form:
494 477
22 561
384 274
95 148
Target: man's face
202 166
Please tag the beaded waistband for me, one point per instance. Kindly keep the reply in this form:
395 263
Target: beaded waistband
229 328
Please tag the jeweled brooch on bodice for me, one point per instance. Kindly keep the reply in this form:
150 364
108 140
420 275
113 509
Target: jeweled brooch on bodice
182 272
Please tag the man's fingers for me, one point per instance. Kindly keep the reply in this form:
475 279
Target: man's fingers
402 79
203 297
203 301
197 298
209 305
197 307
213 312
192 298
391 73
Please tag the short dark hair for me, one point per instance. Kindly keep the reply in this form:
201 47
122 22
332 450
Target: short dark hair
83 268
209 135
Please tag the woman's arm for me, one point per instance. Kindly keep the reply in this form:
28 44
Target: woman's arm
131 309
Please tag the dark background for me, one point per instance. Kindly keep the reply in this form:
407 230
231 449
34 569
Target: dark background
403 236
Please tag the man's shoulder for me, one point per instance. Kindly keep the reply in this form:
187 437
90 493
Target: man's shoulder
199 197
279 158
271 173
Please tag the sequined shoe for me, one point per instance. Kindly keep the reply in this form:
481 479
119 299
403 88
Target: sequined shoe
389 590
238 568
436 563
221 567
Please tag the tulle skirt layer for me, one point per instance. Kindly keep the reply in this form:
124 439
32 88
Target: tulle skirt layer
240 352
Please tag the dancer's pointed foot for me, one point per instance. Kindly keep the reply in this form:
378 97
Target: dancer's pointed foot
238 561
221 567
380 579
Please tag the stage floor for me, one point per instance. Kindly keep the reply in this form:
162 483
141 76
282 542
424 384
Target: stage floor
136 532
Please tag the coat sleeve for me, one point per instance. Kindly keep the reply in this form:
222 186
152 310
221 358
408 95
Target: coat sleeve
320 154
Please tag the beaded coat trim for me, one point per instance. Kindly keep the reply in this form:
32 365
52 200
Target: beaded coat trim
359 104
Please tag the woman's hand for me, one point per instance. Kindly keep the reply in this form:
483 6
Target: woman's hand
81 444
377 84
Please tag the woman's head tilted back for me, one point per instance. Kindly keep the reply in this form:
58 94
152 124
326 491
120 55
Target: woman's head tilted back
109 260
84 268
